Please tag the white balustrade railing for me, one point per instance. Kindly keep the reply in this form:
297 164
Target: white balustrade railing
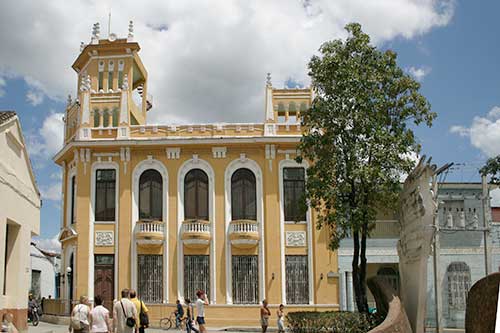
243 226
195 227
151 227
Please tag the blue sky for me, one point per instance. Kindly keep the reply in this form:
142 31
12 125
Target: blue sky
221 54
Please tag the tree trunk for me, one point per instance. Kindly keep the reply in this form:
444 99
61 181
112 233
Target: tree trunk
359 271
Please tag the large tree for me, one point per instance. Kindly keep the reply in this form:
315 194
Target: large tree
358 136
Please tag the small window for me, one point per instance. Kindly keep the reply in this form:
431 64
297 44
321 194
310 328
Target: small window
196 195
115 117
297 279
150 277
245 279
96 118
110 80
105 116
294 194
292 107
120 79
151 196
73 198
105 198
459 283
243 195
101 80
196 275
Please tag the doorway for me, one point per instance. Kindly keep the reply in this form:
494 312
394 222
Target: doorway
104 279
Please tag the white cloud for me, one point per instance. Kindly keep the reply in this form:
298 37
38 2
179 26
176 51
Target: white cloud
3 83
49 138
48 244
207 60
34 97
51 192
419 73
484 132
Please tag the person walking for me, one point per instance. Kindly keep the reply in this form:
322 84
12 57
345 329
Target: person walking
190 317
80 315
142 310
179 313
7 323
281 323
264 316
124 314
99 317
200 309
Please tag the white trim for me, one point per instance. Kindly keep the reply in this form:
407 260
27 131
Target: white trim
95 166
286 163
71 249
183 170
230 169
70 174
138 170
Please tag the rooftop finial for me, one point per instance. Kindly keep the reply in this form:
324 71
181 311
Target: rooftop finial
268 80
69 100
82 46
95 33
130 30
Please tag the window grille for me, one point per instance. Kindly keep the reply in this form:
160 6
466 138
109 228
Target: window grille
297 280
245 279
150 277
243 195
390 276
196 275
196 195
151 195
459 282
294 191
105 195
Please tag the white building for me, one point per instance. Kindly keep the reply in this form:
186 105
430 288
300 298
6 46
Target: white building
44 268
19 218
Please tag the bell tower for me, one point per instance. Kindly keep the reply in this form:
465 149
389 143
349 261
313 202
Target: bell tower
112 88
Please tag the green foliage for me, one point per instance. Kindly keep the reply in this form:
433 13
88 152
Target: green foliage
357 132
492 168
330 321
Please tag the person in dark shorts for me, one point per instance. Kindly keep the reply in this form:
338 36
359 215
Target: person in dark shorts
200 309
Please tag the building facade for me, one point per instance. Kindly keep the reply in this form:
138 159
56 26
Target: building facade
462 253
170 209
19 219
45 268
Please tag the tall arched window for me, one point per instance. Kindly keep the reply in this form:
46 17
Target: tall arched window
459 282
243 195
151 195
196 195
390 276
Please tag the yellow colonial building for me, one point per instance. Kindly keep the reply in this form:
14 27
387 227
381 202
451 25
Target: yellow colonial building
170 209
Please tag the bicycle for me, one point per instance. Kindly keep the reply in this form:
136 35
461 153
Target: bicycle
167 322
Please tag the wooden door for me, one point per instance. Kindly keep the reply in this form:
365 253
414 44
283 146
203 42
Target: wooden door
104 282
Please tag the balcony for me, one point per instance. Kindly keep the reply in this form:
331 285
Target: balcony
244 234
196 233
386 229
150 232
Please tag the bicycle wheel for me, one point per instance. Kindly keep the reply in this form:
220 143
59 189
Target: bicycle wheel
36 319
165 324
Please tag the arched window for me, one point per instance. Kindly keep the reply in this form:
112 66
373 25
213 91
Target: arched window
390 276
196 195
303 106
151 195
243 195
459 282
105 120
96 118
115 117
292 107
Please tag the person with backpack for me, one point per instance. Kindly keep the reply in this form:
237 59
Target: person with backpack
190 317
142 310
99 317
80 316
179 313
125 314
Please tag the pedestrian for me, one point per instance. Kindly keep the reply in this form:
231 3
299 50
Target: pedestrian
264 316
200 309
124 314
179 313
79 322
7 323
281 324
99 317
190 317
142 310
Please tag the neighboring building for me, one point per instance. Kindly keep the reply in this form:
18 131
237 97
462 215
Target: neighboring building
169 209
19 218
45 267
462 252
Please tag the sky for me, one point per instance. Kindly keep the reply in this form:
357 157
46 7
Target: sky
207 62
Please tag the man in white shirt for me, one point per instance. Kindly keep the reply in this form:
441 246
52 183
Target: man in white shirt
200 309
122 310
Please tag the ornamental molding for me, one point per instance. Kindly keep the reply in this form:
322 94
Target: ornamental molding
104 238
296 239
219 152
173 153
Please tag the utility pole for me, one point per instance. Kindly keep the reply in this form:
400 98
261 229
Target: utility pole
485 198
436 256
